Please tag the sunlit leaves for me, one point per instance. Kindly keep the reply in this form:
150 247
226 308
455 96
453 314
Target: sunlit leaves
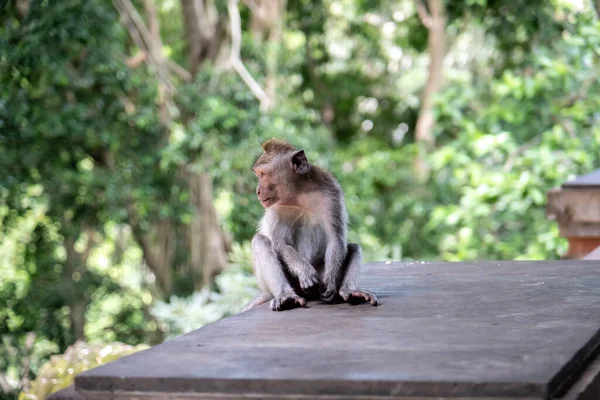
536 132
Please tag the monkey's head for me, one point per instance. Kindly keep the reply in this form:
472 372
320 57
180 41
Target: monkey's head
279 170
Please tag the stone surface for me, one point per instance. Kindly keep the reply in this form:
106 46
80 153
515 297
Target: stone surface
68 393
442 330
591 180
587 387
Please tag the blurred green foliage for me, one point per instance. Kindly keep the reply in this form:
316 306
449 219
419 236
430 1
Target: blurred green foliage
80 138
236 287
60 371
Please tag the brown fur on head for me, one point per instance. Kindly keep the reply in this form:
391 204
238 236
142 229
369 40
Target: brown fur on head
272 148
276 145
278 170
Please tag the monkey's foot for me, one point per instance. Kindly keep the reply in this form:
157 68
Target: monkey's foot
327 293
287 301
356 296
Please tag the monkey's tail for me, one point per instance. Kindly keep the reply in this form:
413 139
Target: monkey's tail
257 301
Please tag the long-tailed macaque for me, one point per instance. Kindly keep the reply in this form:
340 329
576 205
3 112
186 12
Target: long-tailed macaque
300 250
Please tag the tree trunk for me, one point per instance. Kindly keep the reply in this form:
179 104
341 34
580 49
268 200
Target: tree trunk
435 21
76 267
206 240
205 32
158 247
157 242
77 317
436 41
266 16
321 91
273 49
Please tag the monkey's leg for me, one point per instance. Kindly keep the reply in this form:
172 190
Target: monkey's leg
348 291
332 276
307 274
271 277
257 301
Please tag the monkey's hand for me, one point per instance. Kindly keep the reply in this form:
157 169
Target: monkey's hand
287 301
308 278
355 296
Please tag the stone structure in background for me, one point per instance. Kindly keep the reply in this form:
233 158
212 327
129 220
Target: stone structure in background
575 205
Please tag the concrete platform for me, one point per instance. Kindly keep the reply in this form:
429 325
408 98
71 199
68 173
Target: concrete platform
493 330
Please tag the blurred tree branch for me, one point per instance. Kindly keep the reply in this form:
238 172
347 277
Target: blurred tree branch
266 24
424 16
6 384
29 342
235 59
205 240
435 22
205 32
143 39
327 109
22 7
434 19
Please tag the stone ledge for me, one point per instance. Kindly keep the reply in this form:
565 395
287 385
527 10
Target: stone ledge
485 330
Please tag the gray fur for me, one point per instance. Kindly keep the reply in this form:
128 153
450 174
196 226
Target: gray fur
271 277
301 247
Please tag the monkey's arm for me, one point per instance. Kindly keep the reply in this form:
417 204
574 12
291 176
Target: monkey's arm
270 275
302 269
295 263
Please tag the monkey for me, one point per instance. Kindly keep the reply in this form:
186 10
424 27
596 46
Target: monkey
300 250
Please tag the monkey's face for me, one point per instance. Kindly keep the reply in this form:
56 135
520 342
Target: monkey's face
266 190
278 177
273 183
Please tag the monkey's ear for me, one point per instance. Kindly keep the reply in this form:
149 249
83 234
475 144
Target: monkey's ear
300 162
